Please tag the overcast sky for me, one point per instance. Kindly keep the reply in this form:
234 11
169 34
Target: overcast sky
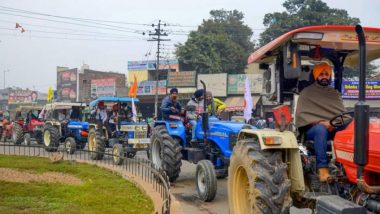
32 56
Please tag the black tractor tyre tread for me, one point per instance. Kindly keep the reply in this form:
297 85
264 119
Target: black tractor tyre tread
172 155
54 138
211 186
269 185
19 133
100 147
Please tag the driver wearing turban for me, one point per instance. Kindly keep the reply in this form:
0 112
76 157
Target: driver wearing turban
317 104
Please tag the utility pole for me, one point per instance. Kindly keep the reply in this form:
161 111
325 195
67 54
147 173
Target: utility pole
158 33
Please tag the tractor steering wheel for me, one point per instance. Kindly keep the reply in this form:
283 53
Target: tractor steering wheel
342 120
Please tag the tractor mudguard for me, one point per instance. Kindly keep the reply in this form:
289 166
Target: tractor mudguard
174 128
281 140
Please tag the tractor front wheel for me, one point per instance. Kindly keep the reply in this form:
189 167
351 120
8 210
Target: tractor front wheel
27 139
118 154
70 145
206 181
258 180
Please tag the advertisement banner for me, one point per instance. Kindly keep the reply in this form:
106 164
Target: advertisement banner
350 90
103 87
149 87
22 96
236 83
182 79
67 85
216 83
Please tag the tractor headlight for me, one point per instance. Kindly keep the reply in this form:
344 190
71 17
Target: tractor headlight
144 128
272 141
137 128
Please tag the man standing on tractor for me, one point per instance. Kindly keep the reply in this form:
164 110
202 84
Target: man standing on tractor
214 105
317 104
169 105
193 108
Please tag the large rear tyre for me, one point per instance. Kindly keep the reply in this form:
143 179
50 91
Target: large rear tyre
96 144
117 154
165 152
17 134
205 180
258 180
51 138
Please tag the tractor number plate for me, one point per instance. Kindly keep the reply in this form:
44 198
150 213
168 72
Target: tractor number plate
139 141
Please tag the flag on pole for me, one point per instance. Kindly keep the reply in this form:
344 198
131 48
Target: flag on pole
133 90
134 112
50 95
248 103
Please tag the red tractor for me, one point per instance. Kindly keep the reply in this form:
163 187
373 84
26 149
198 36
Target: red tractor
27 125
270 170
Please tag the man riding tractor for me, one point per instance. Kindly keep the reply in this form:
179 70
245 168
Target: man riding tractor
270 170
63 125
116 129
27 125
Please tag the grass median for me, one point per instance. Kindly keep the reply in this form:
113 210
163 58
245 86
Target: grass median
34 185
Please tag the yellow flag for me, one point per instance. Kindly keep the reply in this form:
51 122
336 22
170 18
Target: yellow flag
50 94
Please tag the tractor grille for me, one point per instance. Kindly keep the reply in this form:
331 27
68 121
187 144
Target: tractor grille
141 134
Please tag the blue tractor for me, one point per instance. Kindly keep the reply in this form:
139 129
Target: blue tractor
170 144
63 125
126 139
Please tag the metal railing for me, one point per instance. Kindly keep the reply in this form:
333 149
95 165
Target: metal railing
143 168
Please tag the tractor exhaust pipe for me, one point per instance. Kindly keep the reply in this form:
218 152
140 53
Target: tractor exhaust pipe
362 119
204 115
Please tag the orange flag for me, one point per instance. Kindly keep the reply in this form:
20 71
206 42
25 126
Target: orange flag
133 90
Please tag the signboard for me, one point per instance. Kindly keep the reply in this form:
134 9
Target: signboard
216 83
149 87
67 85
103 87
22 96
236 83
350 89
182 79
151 65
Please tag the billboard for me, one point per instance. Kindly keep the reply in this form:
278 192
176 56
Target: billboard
181 79
103 87
22 96
216 83
149 87
67 85
236 83
151 65
350 90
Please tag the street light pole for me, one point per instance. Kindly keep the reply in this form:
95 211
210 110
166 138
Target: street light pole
5 71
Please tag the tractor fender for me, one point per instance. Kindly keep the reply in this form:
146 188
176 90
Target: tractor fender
289 144
175 129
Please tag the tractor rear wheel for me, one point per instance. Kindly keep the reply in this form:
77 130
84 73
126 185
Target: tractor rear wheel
165 152
258 180
96 144
51 138
205 180
17 134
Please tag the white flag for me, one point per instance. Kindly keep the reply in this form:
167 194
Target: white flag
134 112
247 101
